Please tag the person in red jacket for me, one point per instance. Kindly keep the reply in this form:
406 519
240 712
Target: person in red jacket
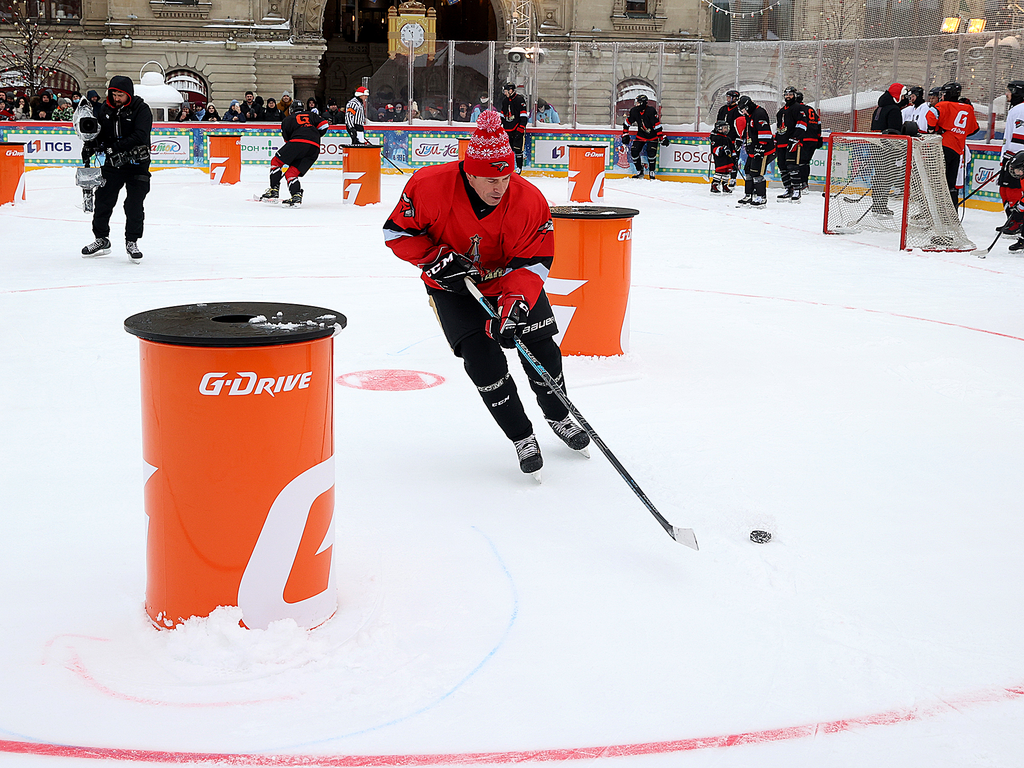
479 219
955 120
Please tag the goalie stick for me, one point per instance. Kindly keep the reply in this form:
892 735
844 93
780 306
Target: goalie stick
682 535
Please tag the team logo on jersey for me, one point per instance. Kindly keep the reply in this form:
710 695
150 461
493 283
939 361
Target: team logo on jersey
473 254
501 165
407 207
547 226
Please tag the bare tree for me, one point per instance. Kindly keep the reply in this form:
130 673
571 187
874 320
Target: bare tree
28 53
841 20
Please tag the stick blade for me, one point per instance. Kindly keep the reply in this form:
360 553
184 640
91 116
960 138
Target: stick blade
684 536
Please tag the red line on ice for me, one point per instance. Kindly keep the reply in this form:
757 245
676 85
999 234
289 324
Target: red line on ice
890 717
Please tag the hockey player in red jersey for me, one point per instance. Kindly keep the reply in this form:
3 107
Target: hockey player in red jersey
479 219
642 129
723 154
302 132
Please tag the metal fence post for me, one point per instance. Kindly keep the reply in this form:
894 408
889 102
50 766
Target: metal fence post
697 88
615 77
853 86
575 77
451 80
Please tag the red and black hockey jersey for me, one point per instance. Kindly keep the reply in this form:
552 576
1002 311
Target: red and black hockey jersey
758 133
514 115
512 246
304 127
642 124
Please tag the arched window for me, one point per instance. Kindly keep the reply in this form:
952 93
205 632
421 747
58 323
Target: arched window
191 86
626 94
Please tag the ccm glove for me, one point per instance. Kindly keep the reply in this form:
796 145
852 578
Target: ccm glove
510 322
625 140
449 270
664 141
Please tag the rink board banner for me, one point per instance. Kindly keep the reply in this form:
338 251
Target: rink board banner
410 147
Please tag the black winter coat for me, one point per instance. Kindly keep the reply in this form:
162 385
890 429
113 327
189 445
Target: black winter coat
122 129
888 117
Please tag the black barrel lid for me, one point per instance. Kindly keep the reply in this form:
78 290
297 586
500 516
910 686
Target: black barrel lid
235 324
592 212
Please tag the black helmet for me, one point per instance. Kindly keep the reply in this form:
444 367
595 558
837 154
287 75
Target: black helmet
744 103
508 87
911 128
1016 89
722 126
951 91
1016 166
917 92
642 100
936 91
789 93
799 99
731 95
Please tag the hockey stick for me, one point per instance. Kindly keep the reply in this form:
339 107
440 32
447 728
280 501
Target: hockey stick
963 203
391 162
987 251
682 535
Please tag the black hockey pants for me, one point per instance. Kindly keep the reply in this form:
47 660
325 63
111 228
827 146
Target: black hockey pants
135 181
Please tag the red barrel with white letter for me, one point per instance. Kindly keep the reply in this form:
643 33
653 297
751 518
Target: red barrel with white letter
586 172
12 172
238 447
361 174
225 158
588 285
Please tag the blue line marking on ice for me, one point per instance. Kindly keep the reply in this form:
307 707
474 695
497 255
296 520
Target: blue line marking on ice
454 688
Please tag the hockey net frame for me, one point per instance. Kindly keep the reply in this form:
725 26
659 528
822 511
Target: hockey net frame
890 183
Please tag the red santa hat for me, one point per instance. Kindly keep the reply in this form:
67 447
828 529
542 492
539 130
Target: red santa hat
896 90
489 154
362 90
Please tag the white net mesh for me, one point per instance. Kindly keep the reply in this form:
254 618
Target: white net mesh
867 189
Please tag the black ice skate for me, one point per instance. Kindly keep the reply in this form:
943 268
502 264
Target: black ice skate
272 193
758 201
795 197
727 188
571 434
1018 246
98 247
133 251
745 200
786 195
715 189
638 175
530 460
294 200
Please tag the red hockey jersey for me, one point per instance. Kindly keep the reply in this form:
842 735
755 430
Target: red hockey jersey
512 246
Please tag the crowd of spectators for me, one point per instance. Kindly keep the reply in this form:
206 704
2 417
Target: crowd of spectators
45 105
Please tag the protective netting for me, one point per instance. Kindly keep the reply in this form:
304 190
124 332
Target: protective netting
867 188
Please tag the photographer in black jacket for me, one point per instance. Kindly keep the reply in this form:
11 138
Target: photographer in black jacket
125 123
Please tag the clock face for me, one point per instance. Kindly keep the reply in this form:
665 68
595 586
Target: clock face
412 33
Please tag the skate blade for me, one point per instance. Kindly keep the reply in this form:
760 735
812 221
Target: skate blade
584 451
101 252
536 476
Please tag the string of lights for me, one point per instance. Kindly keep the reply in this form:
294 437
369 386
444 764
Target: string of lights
735 15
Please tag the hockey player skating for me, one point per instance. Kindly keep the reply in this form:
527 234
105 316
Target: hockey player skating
514 117
355 116
1014 167
479 219
729 112
723 155
641 131
125 123
302 132
760 149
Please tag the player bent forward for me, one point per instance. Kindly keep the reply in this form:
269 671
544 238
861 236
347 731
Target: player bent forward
302 132
480 220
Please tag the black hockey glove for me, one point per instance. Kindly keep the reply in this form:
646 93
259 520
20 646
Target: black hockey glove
449 269
510 322
664 141
625 140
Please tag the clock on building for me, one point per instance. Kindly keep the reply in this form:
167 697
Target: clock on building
411 23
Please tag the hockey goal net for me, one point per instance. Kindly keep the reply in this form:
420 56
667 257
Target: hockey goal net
894 184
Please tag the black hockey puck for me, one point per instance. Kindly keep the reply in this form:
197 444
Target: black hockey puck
760 537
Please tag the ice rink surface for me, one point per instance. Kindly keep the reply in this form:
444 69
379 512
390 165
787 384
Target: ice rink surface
864 405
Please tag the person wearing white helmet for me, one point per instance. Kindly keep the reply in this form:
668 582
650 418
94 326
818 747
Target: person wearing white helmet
355 115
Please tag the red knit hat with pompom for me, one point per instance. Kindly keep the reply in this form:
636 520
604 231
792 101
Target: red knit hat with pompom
489 154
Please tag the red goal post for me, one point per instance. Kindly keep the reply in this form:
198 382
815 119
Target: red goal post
895 184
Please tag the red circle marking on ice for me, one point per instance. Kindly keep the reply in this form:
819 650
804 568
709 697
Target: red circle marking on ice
387 380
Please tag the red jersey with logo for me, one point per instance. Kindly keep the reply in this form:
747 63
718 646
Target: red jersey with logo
512 245
955 121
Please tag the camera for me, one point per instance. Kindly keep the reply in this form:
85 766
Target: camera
516 54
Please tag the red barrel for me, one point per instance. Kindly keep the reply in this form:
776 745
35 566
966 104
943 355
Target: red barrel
590 277
12 172
238 443
586 172
361 174
225 153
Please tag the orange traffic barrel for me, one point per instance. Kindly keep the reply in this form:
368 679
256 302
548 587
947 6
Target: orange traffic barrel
12 172
586 172
463 146
590 278
225 152
361 174
238 447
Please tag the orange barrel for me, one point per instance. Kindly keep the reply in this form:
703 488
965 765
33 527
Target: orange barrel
12 172
225 158
238 448
589 278
463 145
586 172
361 174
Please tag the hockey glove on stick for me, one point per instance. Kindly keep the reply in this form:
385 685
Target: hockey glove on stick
449 269
510 322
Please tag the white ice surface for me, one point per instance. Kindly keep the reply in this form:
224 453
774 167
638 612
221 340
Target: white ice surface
862 404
